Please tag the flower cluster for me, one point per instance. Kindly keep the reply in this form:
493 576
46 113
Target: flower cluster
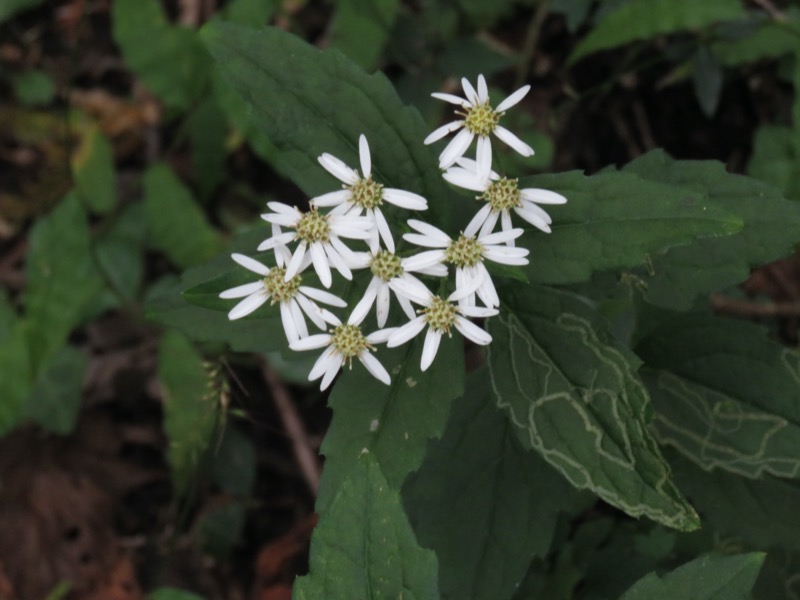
321 237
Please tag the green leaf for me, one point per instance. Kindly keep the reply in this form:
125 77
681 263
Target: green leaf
93 171
8 8
614 220
393 423
8 316
775 159
707 77
166 593
55 400
249 12
485 14
168 59
190 408
706 578
646 19
34 87
309 102
364 547
572 394
178 226
207 129
16 375
725 395
120 252
764 38
61 279
234 467
220 529
360 29
674 278
478 474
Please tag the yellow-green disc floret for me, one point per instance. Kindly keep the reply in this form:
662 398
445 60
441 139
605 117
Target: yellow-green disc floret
313 227
278 289
440 315
386 265
464 252
367 193
502 194
481 119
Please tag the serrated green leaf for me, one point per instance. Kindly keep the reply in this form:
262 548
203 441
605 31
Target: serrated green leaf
572 394
725 395
168 59
55 400
61 278
309 102
364 547
613 220
645 19
93 171
674 278
706 578
190 408
393 423
177 225
478 474
360 29
775 159
8 8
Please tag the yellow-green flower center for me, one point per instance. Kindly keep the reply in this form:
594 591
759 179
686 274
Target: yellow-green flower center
367 193
481 119
464 252
386 265
313 227
349 341
502 194
440 315
278 289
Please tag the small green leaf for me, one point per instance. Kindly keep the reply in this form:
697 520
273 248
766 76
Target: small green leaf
34 87
707 77
706 578
55 400
572 393
364 547
393 423
190 408
119 252
483 503
725 395
775 159
93 171
645 19
178 226
360 29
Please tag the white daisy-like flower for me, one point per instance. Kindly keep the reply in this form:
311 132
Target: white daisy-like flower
439 316
295 299
318 234
362 193
467 254
503 195
478 119
342 344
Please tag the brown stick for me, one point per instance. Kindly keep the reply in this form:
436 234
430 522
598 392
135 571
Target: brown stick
734 306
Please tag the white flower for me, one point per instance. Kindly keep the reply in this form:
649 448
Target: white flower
294 299
481 120
319 235
362 193
468 254
440 315
341 345
502 195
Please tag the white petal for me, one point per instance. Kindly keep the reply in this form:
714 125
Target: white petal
442 131
483 90
382 303
457 100
321 364
240 291
507 255
248 305
332 198
338 169
311 310
250 264
500 237
287 220
513 99
414 290
282 255
455 149
471 281
383 229
513 141
469 91
322 296
337 261
471 331
423 260
276 240
483 156
330 374
404 199
350 257
429 230
321 265
297 261
364 156
478 220
405 305
424 241
289 325
374 366
361 309
299 319
532 217
471 165
541 196
380 336
487 292
405 332
478 311
429 349
312 342
505 217
469 180
437 270
284 209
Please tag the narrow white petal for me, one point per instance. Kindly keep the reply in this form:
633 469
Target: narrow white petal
289 325
457 100
322 296
282 255
471 331
513 141
330 317
383 229
276 240
330 374
240 291
374 366
321 364
429 349
299 319
507 255
423 260
505 217
297 261
405 304
478 220
382 304
513 99
404 199
337 261
248 305
456 148
429 230
478 312
472 280
351 258
287 220
332 198
489 223
487 292
483 156
442 131
469 180
380 336
413 290
472 166
469 91
405 332
250 264
541 196
312 342
437 270
361 309
338 169
321 265
364 156
425 241
533 218
483 90
284 209
311 310
501 237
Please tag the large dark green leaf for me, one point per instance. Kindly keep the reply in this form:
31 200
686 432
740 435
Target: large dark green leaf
364 547
572 394
482 502
360 29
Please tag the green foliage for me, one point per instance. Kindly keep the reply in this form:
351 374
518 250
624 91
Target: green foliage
34 87
173 594
93 171
774 159
367 549
9 8
360 29
55 400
